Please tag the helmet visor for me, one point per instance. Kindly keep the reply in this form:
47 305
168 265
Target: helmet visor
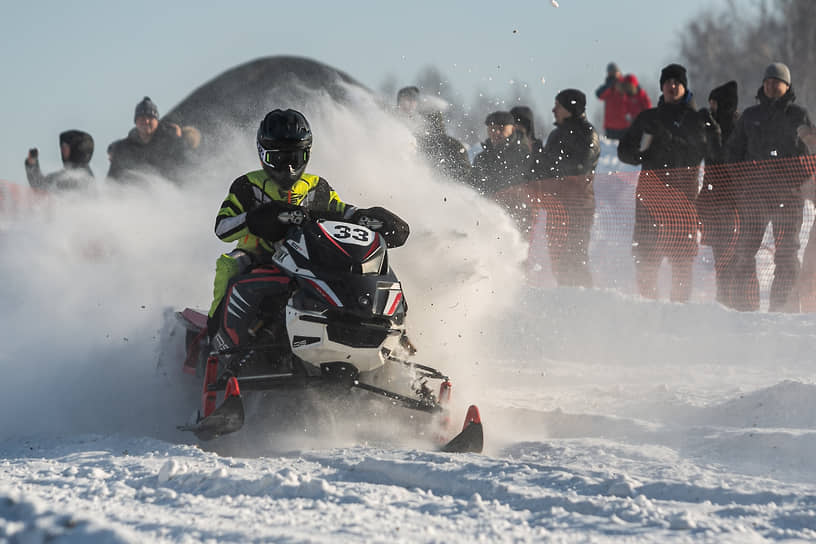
284 160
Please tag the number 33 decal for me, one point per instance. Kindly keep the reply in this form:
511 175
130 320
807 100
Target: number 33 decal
349 233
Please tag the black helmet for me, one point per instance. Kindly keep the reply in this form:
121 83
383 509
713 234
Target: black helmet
284 143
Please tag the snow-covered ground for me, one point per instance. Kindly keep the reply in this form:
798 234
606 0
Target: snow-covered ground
607 418
618 420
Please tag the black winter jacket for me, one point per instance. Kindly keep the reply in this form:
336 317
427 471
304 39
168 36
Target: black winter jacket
572 149
680 137
164 155
727 121
765 132
768 130
497 168
445 153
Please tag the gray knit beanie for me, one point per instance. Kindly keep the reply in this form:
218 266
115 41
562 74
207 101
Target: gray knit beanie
779 71
146 108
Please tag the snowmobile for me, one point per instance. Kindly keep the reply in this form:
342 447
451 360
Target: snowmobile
342 327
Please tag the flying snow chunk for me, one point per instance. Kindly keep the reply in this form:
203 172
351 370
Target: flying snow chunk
554 3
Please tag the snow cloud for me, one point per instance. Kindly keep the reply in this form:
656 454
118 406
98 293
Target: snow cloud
92 277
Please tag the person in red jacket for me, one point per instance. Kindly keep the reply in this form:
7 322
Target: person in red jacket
636 100
611 93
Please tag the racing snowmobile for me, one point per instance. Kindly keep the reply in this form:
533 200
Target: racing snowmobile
342 326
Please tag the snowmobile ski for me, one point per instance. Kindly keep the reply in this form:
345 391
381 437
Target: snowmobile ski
471 439
226 418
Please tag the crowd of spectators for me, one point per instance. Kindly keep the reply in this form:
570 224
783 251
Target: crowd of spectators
729 208
726 205
151 148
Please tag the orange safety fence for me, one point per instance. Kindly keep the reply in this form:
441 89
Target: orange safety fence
14 198
737 233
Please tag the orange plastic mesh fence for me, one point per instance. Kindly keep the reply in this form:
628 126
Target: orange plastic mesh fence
14 199
737 233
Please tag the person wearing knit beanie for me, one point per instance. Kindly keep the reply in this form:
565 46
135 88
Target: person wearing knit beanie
669 142
146 108
153 147
566 169
771 130
776 81
779 71
716 202
674 84
573 100
675 72
725 96
146 119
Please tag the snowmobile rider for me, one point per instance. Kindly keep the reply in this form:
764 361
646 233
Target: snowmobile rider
263 203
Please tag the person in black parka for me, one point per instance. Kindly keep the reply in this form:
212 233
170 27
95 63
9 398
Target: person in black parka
525 125
567 168
669 142
445 153
772 193
151 148
716 203
504 160
77 148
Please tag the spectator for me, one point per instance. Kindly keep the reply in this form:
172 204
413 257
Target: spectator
525 125
769 132
669 142
611 93
504 160
445 153
408 101
152 147
77 149
716 203
636 100
569 159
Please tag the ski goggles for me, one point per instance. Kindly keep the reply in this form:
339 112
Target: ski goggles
284 159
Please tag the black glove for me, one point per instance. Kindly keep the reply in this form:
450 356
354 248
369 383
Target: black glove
298 216
271 220
392 227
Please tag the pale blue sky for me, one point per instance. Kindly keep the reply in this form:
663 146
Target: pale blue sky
85 64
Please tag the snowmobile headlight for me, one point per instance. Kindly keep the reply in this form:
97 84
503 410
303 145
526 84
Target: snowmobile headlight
373 265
